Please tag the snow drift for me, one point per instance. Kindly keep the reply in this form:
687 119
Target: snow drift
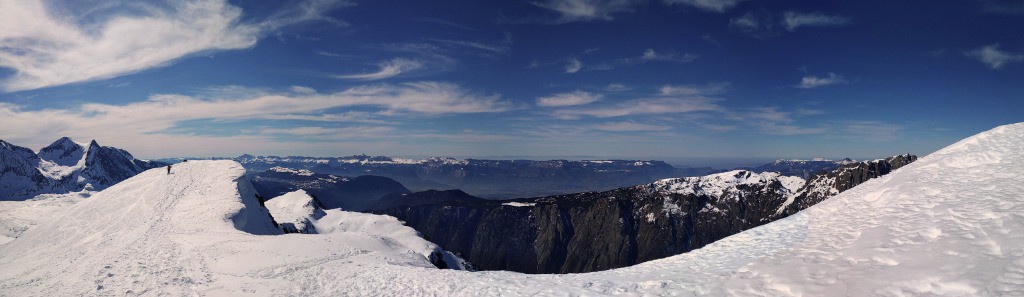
949 224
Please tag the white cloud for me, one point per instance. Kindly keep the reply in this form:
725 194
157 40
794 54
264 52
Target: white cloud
617 88
587 10
644 106
629 127
352 116
792 20
708 5
303 90
388 69
573 66
498 48
695 90
770 120
46 49
322 132
154 118
993 57
758 23
569 99
811 81
651 55
873 131
745 21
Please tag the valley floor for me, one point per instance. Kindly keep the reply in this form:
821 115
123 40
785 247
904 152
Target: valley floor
950 224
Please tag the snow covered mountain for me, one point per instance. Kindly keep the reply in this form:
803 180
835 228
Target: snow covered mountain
348 193
945 225
64 166
63 152
20 177
595 231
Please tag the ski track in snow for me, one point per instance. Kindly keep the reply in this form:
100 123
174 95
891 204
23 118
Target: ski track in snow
949 224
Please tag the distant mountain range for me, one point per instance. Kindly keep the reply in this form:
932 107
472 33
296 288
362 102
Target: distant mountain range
331 191
64 166
506 179
594 231
801 168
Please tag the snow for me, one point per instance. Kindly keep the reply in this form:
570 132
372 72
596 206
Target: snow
949 224
519 204
18 216
716 184
295 212
302 172
793 184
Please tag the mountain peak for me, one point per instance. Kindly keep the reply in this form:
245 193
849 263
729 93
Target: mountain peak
63 152
64 140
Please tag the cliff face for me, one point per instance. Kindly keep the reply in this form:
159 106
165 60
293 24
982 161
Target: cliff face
602 230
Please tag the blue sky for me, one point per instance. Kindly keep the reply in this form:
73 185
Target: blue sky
620 78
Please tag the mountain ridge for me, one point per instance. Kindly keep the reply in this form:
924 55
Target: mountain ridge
64 166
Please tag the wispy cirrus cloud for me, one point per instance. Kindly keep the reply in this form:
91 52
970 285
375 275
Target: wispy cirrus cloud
587 10
651 55
617 88
714 88
763 24
771 120
995 58
661 105
568 99
47 48
757 23
707 5
669 100
388 69
497 48
811 81
630 127
326 132
792 20
647 56
873 131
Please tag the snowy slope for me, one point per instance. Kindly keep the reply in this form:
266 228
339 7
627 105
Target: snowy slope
949 224
183 234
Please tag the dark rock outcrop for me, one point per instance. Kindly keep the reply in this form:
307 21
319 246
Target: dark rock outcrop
595 231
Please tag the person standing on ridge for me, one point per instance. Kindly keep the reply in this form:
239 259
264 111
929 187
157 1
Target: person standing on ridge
168 169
